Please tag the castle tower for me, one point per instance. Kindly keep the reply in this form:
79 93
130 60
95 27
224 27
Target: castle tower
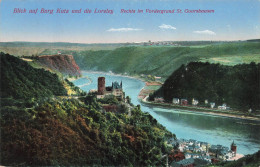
101 85
233 147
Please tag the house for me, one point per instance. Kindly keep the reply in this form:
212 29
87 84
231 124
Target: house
176 101
181 147
225 154
191 148
158 99
206 158
201 162
204 146
184 102
197 149
183 163
214 148
223 107
195 102
212 105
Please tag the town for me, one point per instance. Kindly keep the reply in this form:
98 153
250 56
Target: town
189 153
194 102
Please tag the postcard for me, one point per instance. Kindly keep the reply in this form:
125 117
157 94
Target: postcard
130 83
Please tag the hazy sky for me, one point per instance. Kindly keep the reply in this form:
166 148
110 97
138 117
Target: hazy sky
231 20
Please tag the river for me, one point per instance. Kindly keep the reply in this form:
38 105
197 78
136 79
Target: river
187 124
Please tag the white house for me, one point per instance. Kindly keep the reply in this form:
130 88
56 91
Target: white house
176 101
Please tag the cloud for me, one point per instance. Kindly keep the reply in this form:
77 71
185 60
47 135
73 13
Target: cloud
205 32
165 26
123 29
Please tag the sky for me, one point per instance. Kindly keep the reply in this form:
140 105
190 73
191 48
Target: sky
231 20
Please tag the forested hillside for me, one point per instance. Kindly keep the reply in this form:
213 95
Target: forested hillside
237 86
19 80
67 130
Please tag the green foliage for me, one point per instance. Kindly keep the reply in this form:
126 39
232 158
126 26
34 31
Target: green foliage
109 99
237 86
21 81
161 61
78 91
41 129
67 132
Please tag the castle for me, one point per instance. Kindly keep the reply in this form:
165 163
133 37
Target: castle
116 89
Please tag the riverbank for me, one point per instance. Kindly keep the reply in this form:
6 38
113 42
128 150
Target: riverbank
143 95
202 110
89 82
114 74
193 125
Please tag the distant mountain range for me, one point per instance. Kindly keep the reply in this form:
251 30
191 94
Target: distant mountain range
61 44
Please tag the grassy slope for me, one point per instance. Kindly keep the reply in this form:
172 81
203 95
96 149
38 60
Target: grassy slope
155 60
40 48
163 60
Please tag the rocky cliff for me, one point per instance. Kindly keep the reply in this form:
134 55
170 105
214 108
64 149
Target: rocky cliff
62 63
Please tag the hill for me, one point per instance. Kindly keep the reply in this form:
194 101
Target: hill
65 130
162 60
49 48
137 59
64 64
237 86
19 80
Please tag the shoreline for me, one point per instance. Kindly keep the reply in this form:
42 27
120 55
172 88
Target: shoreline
200 110
191 109
182 109
113 74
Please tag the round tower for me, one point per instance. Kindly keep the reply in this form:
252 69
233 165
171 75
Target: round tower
101 85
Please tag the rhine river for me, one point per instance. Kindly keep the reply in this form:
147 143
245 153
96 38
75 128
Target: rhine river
187 124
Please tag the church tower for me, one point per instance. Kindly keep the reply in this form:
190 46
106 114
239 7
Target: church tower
233 147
